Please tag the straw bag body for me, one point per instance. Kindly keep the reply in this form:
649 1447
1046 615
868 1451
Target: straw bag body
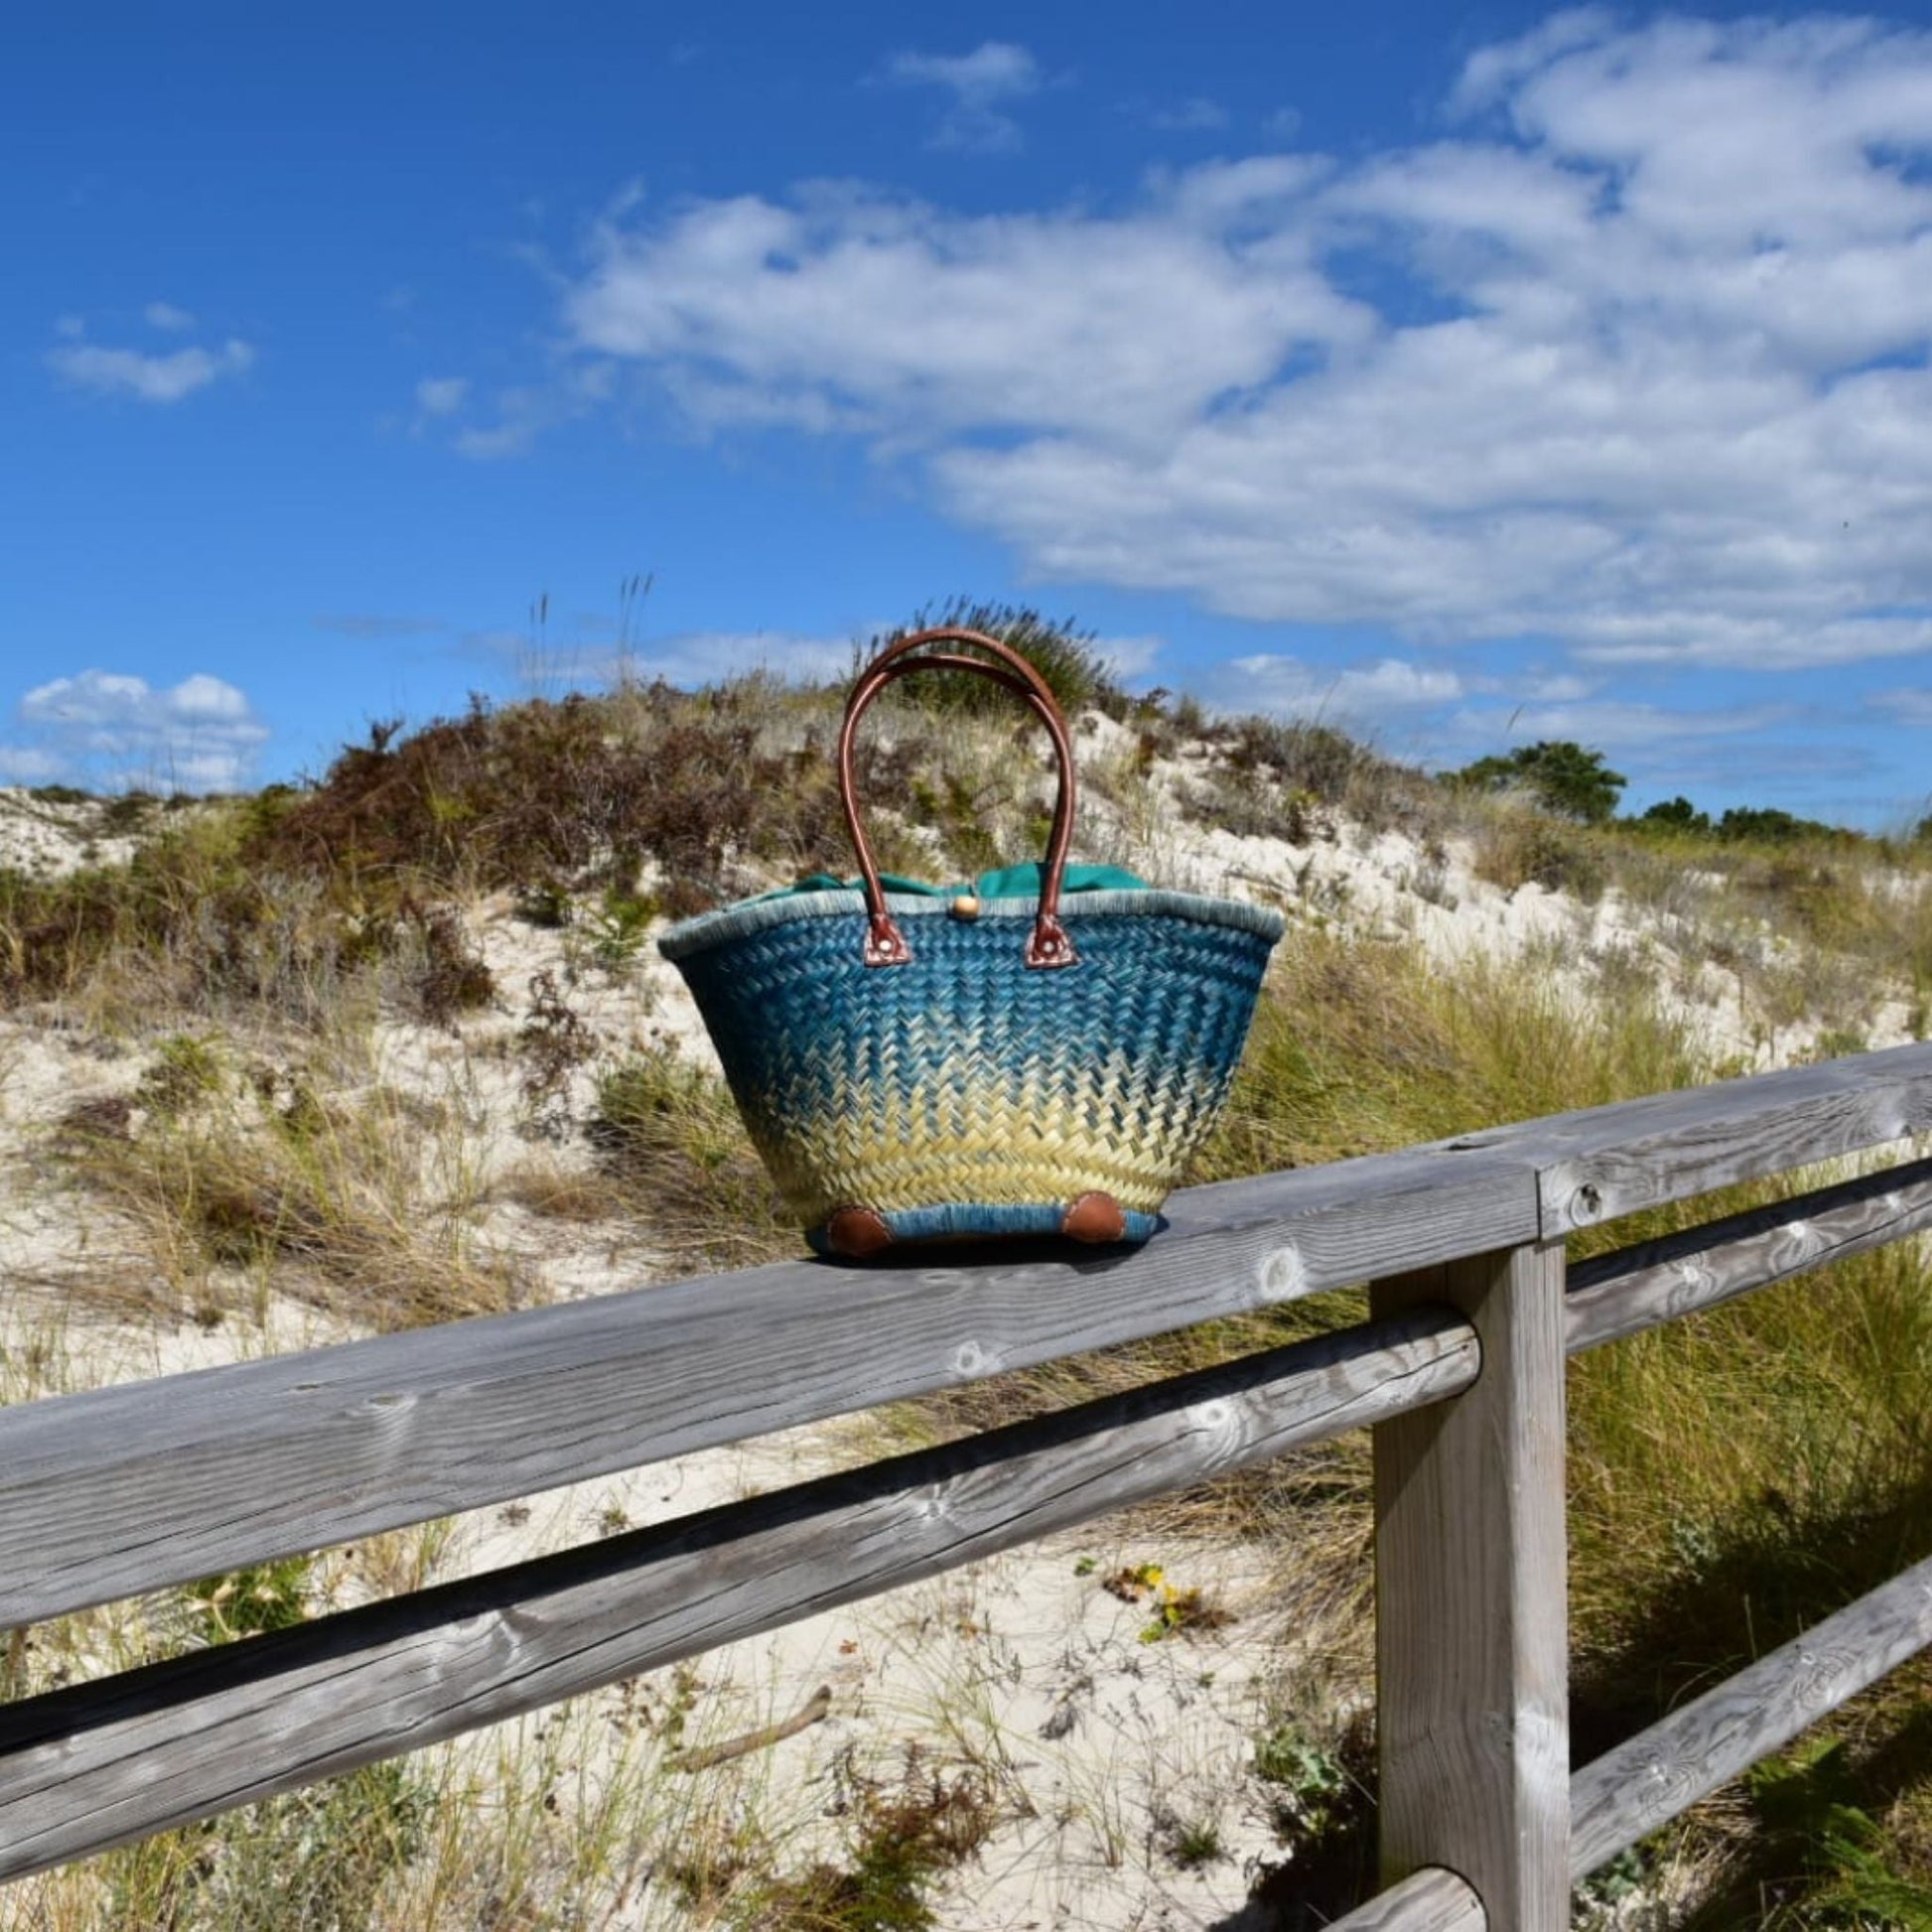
940 1067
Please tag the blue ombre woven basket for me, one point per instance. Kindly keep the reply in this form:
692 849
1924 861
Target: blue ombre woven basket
919 1067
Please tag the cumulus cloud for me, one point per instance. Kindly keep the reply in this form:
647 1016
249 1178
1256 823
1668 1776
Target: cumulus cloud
1650 382
107 728
150 379
980 83
845 310
1363 694
1129 657
164 315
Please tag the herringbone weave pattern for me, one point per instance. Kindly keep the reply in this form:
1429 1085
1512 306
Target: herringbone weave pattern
962 1094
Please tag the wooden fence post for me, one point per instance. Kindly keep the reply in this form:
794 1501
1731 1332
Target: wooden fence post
1472 1643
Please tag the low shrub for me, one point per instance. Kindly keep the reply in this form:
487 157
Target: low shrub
1515 848
1067 656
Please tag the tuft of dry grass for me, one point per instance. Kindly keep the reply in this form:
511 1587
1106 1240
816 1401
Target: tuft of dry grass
671 1138
1517 845
341 1198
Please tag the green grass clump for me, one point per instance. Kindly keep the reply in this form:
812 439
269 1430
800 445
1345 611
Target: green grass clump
323 1857
260 1596
203 923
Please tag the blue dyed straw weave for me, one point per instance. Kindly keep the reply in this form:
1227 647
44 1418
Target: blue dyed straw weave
963 1095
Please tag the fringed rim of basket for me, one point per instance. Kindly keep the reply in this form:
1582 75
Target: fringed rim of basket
761 914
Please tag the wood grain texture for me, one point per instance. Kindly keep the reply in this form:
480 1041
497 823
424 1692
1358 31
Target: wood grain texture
134 1489
1654 1282
1609 1161
1471 1646
1642 1784
1429 1900
98 1764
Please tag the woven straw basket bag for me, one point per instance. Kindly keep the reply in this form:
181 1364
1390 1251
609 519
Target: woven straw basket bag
921 1068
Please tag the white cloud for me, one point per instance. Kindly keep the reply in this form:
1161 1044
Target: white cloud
522 414
1625 726
501 440
1127 657
152 378
1651 385
107 728
441 395
29 765
1491 71
1289 687
164 315
845 310
695 657
979 83
1908 707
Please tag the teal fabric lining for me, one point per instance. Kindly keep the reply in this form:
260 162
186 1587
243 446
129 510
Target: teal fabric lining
1004 882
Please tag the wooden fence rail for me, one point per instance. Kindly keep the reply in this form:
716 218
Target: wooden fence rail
1459 1374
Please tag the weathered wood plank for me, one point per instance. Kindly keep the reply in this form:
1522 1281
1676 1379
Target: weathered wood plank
1610 1160
98 1764
1429 1900
134 1489
1471 1652
1645 1783
1654 1282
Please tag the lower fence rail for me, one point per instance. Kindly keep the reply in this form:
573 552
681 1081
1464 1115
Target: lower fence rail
1645 1783
98 1764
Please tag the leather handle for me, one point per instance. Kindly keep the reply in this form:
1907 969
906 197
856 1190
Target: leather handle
1049 945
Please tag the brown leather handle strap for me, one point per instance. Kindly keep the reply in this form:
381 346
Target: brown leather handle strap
1049 945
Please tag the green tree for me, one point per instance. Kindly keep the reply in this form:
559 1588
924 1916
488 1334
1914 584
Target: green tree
1564 778
1676 815
1767 825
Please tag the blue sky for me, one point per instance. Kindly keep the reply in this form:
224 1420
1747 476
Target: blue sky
1464 379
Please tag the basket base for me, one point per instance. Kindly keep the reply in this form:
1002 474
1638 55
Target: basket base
1097 1219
